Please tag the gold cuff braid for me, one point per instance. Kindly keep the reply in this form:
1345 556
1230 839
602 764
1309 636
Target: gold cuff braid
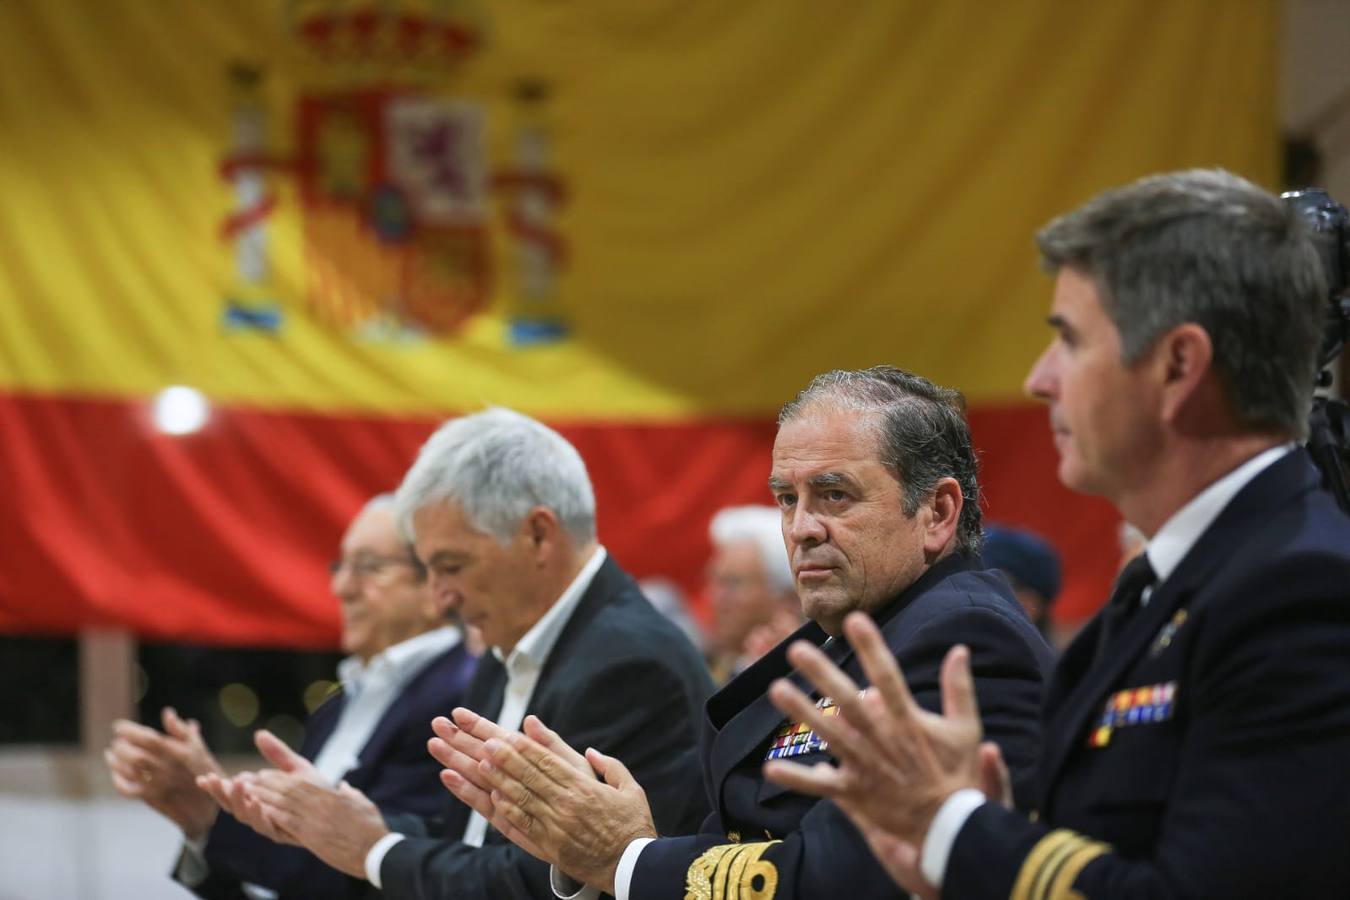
732 872
1049 871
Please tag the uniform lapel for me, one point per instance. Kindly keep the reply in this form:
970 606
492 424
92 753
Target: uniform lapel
1073 665
1067 725
1079 688
758 717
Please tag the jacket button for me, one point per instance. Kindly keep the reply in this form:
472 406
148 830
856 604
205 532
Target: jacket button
734 837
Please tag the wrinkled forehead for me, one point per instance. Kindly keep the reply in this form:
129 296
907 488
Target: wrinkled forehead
840 444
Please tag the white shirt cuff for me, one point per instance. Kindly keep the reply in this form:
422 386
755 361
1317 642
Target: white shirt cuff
192 869
941 837
375 856
623 874
566 888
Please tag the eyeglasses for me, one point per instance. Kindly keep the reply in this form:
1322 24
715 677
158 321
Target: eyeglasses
361 567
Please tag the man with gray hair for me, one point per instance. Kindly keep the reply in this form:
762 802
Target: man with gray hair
875 480
754 602
406 662
500 510
1197 730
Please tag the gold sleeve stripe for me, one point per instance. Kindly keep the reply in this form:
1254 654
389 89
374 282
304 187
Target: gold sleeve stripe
732 872
1052 865
1045 875
1041 854
1062 888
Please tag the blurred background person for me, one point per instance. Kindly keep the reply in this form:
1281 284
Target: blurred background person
1031 565
754 604
407 665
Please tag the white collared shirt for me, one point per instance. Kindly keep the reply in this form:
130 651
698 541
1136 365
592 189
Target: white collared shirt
523 665
1165 550
525 662
1178 535
371 688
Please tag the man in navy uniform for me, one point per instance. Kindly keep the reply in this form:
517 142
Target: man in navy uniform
876 479
407 664
1197 731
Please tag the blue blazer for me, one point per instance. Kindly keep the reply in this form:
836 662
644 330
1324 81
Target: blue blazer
764 840
394 770
1207 755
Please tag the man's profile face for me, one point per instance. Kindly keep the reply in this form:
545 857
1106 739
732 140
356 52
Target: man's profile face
469 570
383 602
849 541
1099 407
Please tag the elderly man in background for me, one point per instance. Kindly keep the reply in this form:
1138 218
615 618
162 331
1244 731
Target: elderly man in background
754 601
406 665
875 479
1198 728
501 511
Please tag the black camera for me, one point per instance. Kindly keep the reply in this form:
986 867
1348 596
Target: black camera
1329 421
1329 225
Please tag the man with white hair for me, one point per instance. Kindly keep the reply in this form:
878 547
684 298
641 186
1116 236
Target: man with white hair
407 662
750 587
501 511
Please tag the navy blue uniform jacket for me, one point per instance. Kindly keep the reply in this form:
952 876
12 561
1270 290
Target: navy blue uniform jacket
394 770
621 679
764 841
1221 768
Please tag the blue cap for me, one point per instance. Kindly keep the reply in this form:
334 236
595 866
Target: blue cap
1025 556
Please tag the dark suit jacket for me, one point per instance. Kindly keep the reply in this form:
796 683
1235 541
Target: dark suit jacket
1236 786
789 845
394 770
621 679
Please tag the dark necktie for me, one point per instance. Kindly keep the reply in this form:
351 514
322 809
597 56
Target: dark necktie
1134 578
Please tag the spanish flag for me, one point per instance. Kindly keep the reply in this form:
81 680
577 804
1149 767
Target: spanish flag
648 224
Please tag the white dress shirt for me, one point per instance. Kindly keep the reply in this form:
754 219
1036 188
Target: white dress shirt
1165 550
523 665
371 688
